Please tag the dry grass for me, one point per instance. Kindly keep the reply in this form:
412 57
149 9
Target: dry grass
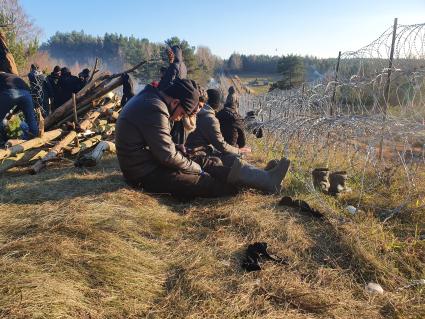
80 244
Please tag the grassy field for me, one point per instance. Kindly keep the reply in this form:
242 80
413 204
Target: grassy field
259 83
81 244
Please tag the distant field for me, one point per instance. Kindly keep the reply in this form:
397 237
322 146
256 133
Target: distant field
259 82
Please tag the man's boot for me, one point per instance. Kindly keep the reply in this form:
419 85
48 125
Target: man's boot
338 183
271 164
267 181
321 179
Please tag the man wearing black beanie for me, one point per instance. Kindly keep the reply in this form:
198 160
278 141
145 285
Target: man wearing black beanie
146 153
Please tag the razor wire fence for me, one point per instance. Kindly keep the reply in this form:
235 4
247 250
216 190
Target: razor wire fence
370 119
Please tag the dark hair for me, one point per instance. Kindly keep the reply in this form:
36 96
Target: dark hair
214 98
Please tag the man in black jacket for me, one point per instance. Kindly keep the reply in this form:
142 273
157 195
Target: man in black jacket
146 153
52 84
68 84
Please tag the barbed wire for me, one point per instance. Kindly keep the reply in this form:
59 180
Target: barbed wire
313 126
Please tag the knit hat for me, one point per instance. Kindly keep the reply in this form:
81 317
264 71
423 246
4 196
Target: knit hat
214 98
183 90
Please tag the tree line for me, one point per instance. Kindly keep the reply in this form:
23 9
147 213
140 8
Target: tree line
118 51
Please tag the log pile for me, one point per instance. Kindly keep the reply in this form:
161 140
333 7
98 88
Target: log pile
82 130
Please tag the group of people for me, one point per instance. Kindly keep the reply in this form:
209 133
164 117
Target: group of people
45 92
174 137
51 91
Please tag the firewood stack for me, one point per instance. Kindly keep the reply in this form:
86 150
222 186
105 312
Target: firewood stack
82 129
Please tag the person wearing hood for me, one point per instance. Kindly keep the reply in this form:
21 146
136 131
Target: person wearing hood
38 88
52 84
68 84
232 125
127 88
232 100
84 77
149 159
176 70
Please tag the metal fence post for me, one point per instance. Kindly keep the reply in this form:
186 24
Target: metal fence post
335 80
387 88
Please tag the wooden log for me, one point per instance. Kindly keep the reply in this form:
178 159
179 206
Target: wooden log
106 130
93 158
87 123
80 111
30 144
21 159
90 117
40 122
113 117
92 141
13 142
53 153
100 122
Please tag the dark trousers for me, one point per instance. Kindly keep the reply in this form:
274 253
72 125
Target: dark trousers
183 185
168 181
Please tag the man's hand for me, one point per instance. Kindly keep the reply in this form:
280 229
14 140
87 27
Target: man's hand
244 150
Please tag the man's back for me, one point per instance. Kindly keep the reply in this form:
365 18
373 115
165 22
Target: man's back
208 133
11 81
143 137
231 126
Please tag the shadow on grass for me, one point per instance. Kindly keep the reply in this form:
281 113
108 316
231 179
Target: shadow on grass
60 182
333 249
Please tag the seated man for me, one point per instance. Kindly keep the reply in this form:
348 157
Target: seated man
14 91
148 157
208 131
232 125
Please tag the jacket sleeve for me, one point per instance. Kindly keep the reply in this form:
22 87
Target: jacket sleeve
212 134
156 131
241 138
239 127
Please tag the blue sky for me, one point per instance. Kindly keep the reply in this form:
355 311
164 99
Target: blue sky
321 27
